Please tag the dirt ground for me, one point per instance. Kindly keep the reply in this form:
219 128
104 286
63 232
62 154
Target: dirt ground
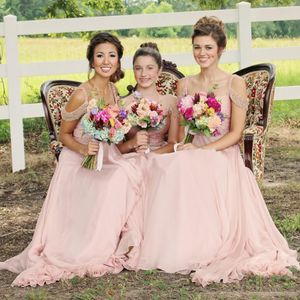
21 198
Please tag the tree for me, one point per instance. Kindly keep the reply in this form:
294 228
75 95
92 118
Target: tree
25 9
75 8
223 4
153 8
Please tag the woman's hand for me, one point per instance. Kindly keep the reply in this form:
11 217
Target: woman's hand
188 146
141 149
140 141
92 147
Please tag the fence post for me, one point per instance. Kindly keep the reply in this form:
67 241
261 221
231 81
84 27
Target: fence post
244 34
14 93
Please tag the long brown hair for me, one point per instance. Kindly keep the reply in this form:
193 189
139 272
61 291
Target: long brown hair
100 38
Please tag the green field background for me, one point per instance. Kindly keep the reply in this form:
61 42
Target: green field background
55 49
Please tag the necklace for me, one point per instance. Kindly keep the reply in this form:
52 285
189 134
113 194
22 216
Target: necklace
137 95
97 92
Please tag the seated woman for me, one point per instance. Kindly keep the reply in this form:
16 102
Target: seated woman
203 211
86 212
147 64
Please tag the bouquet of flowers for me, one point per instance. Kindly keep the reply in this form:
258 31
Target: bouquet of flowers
105 123
201 114
146 113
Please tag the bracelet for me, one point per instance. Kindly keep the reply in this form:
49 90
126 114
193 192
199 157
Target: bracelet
147 150
175 146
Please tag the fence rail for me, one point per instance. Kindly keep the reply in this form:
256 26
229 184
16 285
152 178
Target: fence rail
11 29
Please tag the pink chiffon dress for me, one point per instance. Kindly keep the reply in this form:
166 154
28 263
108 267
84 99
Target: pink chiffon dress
203 213
84 217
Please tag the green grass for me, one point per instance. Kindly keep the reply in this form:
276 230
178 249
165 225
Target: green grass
286 113
36 295
289 225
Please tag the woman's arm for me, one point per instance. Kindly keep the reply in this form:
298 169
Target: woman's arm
67 127
139 140
237 123
173 129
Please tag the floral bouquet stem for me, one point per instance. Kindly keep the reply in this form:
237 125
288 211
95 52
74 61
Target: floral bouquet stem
89 162
188 137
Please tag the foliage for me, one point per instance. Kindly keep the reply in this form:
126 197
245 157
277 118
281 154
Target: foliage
38 9
75 8
289 225
3 95
24 10
3 10
153 8
223 4
261 29
65 9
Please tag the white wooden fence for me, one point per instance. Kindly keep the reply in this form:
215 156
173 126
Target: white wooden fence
11 29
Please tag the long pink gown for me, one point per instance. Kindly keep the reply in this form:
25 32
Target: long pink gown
84 217
204 213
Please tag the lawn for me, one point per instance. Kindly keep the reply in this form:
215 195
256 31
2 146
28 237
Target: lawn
22 195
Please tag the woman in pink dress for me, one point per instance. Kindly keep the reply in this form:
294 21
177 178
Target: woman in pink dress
147 64
203 211
85 214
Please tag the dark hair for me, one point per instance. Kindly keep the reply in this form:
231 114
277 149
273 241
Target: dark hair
211 26
149 49
101 38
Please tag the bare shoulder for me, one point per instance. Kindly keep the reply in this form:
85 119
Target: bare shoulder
77 99
169 100
184 83
180 85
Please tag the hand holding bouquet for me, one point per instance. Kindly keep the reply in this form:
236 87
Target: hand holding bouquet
146 113
105 123
201 114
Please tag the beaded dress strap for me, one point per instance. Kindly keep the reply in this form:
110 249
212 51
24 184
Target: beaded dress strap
79 111
236 98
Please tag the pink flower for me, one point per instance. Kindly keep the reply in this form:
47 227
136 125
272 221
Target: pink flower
188 115
118 124
112 132
113 110
103 115
143 108
153 114
213 103
187 102
214 122
142 124
198 109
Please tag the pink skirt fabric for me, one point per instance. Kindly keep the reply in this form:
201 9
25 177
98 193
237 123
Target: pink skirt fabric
204 213
85 216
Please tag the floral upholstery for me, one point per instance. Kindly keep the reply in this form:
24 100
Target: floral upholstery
256 123
167 83
57 96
